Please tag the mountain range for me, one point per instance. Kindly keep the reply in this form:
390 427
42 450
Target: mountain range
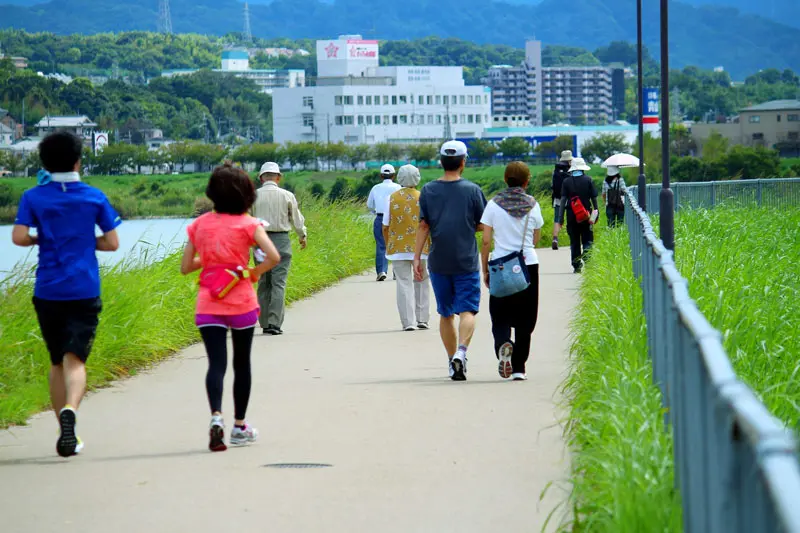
734 34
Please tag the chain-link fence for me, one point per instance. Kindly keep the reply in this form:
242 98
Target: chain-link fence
735 464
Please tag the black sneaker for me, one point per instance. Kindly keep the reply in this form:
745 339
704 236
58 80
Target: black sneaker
273 330
555 244
458 370
67 441
577 270
381 276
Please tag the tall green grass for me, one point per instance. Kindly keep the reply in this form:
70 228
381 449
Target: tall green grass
743 269
743 273
622 474
148 310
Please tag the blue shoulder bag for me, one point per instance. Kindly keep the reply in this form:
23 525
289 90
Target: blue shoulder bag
508 275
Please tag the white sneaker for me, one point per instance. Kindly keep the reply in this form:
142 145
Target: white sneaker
504 367
519 376
240 437
409 328
216 435
458 367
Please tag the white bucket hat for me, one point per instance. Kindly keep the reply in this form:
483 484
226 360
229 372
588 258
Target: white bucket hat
579 164
270 167
566 156
408 176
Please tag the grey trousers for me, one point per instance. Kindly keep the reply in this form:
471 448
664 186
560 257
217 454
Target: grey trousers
272 285
413 297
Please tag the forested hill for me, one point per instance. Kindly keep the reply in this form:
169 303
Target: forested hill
706 36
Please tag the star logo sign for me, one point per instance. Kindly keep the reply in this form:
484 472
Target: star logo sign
332 50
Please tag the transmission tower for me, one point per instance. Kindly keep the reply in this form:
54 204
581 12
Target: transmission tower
248 35
164 17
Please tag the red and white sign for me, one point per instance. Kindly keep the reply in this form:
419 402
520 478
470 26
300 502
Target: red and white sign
362 49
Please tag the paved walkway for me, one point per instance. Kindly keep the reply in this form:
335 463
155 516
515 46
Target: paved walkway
410 450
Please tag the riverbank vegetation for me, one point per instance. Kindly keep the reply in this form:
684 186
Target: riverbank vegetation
148 309
622 467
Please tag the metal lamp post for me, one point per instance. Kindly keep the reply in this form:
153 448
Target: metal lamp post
666 197
640 80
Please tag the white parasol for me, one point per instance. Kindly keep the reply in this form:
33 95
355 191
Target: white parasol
621 161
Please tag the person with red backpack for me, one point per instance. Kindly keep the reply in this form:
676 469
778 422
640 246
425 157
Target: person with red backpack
578 197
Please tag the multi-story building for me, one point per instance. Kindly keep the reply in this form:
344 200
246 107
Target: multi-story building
237 63
771 124
516 91
585 95
356 101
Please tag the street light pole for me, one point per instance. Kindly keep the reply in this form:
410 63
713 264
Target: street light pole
666 197
640 81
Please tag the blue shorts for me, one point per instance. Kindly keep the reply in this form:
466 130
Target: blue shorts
456 293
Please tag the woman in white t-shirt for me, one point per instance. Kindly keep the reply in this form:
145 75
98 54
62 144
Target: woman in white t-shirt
504 220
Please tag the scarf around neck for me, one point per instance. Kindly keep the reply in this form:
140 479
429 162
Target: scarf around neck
44 177
515 201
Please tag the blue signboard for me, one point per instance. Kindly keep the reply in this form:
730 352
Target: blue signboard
651 106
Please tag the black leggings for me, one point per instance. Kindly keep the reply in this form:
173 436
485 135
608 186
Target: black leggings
216 340
520 312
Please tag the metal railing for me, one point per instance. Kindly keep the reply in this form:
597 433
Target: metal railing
783 192
736 465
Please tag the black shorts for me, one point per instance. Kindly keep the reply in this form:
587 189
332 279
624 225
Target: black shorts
68 326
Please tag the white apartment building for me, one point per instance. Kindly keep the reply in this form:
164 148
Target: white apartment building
237 63
356 101
517 91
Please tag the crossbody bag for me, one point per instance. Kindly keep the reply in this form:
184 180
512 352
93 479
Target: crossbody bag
508 275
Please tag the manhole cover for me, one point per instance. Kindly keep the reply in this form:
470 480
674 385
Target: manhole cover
297 465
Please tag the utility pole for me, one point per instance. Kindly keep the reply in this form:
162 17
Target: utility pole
328 121
666 197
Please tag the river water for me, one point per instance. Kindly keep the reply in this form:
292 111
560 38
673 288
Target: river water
149 239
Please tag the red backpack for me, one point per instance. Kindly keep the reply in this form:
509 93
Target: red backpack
580 212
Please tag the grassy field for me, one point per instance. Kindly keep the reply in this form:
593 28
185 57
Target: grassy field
622 474
149 311
744 275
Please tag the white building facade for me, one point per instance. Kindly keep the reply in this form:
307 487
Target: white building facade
237 63
356 101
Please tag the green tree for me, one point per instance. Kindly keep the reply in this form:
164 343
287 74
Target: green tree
332 153
601 147
383 152
358 154
751 163
116 158
300 154
551 116
423 153
514 148
681 140
716 146
482 150
555 147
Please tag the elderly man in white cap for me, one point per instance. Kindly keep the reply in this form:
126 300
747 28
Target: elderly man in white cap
278 207
450 213
579 202
375 203
400 224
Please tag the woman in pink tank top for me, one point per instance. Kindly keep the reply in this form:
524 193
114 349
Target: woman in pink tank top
220 244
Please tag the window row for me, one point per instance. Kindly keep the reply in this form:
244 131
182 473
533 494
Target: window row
401 99
387 120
